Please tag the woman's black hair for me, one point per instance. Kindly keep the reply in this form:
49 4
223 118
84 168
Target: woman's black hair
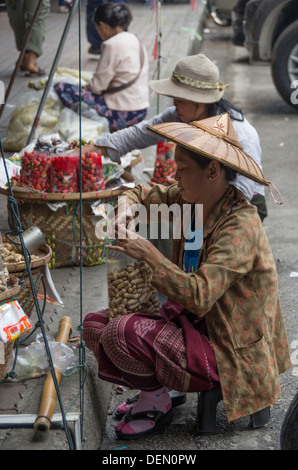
113 14
203 163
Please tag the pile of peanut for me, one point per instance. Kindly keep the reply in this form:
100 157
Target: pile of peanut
130 290
3 283
12 256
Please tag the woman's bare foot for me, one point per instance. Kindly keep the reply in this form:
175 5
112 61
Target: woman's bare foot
23 65
32 62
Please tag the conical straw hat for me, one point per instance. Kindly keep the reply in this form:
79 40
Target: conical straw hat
215 138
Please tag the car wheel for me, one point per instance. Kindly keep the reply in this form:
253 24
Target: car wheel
289 429
284 64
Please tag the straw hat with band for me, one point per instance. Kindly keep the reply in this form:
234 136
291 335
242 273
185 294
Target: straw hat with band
195 78
215 138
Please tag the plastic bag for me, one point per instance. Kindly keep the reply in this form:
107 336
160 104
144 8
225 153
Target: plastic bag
163 170
92 172
129 286
165 165
91 129
35 171
63 74
32 361
13 321
64 174
23 116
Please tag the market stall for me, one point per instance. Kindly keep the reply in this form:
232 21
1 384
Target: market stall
46 181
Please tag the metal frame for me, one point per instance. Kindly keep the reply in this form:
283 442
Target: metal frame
28 420
53 70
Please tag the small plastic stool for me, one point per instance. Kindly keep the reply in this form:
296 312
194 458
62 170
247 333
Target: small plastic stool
206 412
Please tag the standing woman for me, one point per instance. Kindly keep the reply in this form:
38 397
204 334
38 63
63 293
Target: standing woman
118 89
21 14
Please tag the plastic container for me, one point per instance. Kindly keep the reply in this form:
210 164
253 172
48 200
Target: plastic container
92 172
35 171
129 286
163 170
64 174
33 239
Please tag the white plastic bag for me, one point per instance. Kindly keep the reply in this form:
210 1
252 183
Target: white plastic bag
23 116
91 129
32 361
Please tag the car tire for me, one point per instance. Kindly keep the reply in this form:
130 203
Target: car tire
285 44
289 428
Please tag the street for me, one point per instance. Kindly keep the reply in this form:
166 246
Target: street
252 90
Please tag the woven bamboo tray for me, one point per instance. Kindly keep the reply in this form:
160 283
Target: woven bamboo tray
7 295
17 269
61 228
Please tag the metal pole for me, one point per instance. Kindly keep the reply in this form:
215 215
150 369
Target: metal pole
28 420
11 82
53 70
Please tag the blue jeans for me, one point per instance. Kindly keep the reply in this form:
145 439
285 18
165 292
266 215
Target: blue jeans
92 34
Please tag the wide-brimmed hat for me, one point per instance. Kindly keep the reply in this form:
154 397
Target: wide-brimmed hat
215 138
195 78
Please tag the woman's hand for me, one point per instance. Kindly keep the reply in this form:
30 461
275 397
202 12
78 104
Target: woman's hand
135 246
91 147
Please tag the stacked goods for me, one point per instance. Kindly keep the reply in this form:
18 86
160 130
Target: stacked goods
3 269
60 173
64 174
35 171
92 173
130 290
12 256
165 165
163 169
3 283
16 266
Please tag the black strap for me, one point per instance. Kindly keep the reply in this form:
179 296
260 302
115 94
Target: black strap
126 85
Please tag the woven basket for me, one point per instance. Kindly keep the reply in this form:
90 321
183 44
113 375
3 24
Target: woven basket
61 228
17 269
9 294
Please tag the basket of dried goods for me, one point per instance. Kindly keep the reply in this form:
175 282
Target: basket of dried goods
129 286
60 193
15 264
11 291
58 215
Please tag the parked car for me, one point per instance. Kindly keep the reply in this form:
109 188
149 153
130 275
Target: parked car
271 35
220 11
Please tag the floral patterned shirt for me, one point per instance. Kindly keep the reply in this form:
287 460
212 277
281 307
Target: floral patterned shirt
235 287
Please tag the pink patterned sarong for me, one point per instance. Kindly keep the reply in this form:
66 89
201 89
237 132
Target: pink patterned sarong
143 352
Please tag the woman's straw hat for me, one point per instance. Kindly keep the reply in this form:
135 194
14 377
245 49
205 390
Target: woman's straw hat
195 78
215 138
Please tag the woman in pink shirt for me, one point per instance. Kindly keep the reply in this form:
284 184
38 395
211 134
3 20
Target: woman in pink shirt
118 89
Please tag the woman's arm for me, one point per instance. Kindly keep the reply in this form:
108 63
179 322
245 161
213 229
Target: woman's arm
137 247
231 256
137 136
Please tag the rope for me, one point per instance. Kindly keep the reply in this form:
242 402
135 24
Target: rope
82 349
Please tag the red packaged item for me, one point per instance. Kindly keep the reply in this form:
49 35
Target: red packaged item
166 150
92 172
162 170
64 174
35 171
